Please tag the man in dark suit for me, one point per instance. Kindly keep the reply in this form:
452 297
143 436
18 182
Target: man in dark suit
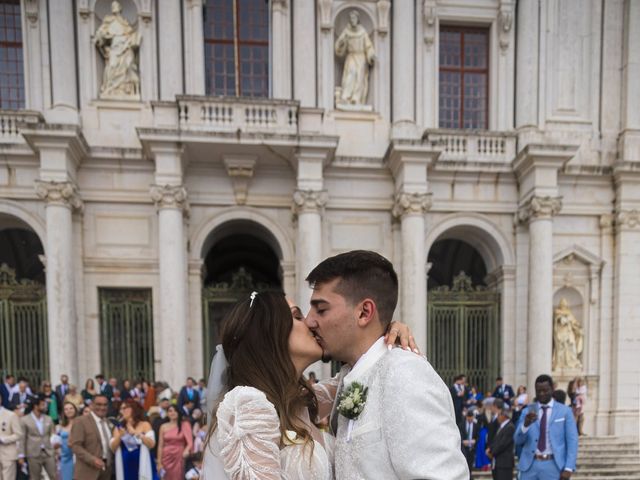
189 394
103 387
62 390
20 399
503 391
458 394
500 450
496 407
469 432
5 390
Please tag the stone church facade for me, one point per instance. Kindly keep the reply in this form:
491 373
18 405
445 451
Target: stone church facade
495 160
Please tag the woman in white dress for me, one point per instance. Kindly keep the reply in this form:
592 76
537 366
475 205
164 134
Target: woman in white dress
262 428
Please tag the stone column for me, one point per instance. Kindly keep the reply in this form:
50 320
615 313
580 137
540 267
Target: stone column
539 212
170 45
61 200
308 206
304 53
625 364
629 140
171 202
411 208
64 108
403 71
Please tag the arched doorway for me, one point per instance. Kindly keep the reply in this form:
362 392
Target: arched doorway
24 350
240 257
463 314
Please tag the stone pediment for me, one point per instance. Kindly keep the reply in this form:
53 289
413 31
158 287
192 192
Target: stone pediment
581 254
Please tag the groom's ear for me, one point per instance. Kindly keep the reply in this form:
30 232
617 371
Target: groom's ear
367 312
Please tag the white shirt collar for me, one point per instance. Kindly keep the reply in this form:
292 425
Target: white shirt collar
366 361
504 423
550 405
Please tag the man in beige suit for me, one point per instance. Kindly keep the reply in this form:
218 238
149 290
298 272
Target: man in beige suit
35 444
10 433
90 435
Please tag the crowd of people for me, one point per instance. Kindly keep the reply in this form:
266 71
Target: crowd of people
487 422
144 429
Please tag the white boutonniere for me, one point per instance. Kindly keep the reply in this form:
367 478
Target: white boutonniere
351 404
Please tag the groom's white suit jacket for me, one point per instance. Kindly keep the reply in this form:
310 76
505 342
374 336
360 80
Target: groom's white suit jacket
407 429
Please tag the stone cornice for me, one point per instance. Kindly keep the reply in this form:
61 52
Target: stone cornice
309 201
411 204
539 208
63 194
170 196
43 136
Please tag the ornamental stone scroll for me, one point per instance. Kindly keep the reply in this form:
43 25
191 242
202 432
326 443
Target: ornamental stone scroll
63 194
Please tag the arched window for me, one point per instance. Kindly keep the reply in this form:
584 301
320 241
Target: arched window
236 36
11 63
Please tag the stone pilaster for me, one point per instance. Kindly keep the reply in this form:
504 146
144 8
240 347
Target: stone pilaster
403 71
61 199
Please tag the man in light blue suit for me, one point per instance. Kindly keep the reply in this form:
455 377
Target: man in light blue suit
548 436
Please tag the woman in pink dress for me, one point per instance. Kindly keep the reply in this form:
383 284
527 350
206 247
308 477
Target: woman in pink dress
176 444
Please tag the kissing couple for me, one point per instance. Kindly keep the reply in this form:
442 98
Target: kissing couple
391 415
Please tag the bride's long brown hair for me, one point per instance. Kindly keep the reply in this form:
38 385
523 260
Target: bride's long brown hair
255 338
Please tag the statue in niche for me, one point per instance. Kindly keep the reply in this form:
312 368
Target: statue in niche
118 44
355 46
567 338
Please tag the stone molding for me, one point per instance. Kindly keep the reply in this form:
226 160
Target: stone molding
309 201
539 208
63 194
406 203
170 196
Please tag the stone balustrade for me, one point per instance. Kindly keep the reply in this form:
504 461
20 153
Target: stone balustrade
230 114
11 122
473 145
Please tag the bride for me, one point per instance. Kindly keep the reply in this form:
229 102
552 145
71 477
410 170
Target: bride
263 428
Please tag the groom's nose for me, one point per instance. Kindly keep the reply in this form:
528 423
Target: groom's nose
310 321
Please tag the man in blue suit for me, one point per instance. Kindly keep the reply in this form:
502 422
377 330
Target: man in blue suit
548 436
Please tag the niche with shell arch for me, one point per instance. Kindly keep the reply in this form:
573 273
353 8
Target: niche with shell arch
340 21
101 9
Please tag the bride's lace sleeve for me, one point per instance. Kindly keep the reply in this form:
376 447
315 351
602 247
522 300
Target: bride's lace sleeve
325 393
249 435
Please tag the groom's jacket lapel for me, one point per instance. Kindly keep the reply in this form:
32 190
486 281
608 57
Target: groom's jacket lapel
334 411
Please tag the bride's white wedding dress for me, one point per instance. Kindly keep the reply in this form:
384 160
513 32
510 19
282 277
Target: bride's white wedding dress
246 444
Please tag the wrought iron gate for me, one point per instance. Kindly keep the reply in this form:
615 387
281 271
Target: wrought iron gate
126 333
217 300
24 347
464 332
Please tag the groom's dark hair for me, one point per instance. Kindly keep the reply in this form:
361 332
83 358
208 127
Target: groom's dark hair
363 274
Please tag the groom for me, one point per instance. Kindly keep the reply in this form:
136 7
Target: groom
406 429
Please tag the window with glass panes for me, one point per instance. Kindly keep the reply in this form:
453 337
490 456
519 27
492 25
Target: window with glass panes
11 63
464 77
236 47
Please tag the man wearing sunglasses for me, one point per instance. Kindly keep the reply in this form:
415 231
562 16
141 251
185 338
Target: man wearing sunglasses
90 435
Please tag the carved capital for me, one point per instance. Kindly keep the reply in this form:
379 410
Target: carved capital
59 193
280 4
306 201
539 208
411 204
169 196
606 221
627 218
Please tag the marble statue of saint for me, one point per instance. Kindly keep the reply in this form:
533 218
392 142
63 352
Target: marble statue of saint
567 338
118 43
355 46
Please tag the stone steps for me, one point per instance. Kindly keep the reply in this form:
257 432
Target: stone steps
601 458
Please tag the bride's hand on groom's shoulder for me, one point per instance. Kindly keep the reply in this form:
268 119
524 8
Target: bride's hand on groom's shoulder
400 334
